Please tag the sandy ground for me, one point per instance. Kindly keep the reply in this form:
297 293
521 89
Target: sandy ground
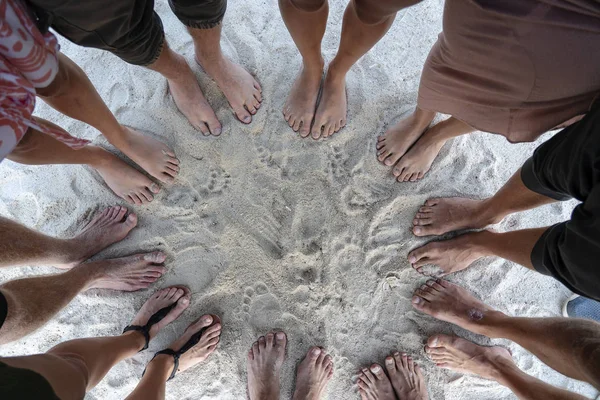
272 231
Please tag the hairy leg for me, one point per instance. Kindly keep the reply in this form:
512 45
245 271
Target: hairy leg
73 94
364 24
306 21
186 92
239 87
34 301
459 253
493 363
28 247
570 346
439 216
37 148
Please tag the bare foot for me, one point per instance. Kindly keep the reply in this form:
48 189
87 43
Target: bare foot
191 101
314 372
448 255
124 180
406 377
439 216
374 384
463 356
127 273
159 300
108 226
153 156
331 112
299 108
264 365
396 141
417 161
242 91
451 303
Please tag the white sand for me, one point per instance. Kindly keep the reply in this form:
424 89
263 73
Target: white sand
272 231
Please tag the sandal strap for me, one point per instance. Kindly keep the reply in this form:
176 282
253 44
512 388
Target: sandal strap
193 341
175 355
145 330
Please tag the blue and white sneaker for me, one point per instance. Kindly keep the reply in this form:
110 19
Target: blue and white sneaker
581 307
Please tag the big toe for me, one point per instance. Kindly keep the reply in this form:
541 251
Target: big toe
242 114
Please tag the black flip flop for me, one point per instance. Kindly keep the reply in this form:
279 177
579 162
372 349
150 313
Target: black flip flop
188 345
155 318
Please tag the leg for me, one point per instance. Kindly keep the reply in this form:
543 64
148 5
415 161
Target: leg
417 162
406 377
33 301
28 247
239 87
73 94
493 363
306 21
570 346
152 384
37 148
264 366
439 216
86 361
185 91
457 254
365 22
314 372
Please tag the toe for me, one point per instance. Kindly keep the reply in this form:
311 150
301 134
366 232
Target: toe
270 339
131 220
378 371
243 115
156 257
417 254
255 348
280 339
147 195
262 342
420 303
440 341
214 126
120 215
390 365
314 353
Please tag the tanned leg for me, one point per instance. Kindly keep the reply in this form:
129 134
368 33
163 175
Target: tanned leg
457 254
364 24
417 161
306 21
33 301
493 363
152 385
37 148
72 368
242 91
570 346
73 94
28 247
185 91
439 216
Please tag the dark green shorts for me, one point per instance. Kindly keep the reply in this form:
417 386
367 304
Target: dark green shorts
130 29
24 384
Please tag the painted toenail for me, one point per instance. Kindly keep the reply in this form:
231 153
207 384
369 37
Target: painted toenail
389 361
376 369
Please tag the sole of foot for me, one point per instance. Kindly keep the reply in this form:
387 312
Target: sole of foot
396 141
373 384
331 112
463 356
447 256
314 372
264 362
406 377
440 216
242 91
108 226
300 105
451 303
159 300
124 180
127 273
153 156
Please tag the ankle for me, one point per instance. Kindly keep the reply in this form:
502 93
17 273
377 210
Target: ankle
313 66
489 213
336 72
504 370
161 367
98 157
208 57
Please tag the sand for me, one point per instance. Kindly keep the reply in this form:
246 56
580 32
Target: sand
273 231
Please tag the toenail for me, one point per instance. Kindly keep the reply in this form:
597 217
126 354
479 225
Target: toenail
185 301
217 132
434 342
208 318
376 369
247 119
389 360
280 335
416 300
412 259
316 351
417 230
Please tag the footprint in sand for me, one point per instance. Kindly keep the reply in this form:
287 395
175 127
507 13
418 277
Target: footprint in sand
335 163
218 181
262 309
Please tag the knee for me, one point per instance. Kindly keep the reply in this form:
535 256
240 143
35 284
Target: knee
308 5
60 85
374 12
